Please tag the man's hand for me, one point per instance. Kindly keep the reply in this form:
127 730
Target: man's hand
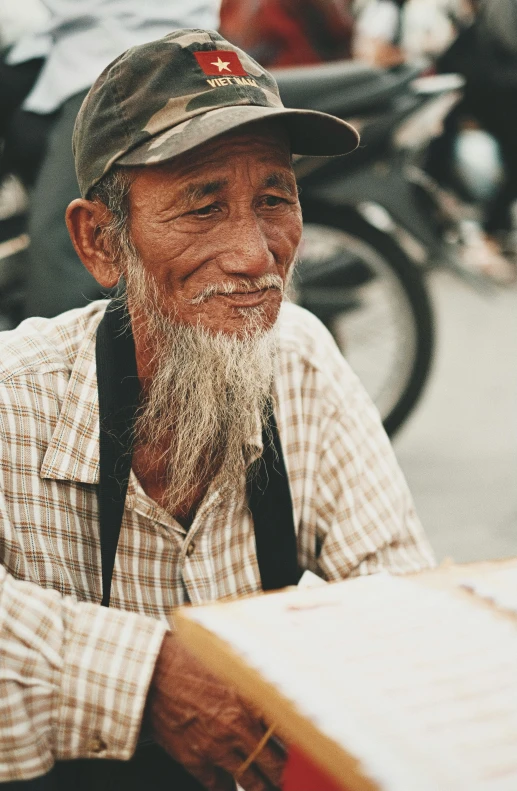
206 726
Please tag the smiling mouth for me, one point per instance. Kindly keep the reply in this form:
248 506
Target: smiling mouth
247 298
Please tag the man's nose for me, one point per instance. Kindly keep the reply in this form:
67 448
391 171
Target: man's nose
247 250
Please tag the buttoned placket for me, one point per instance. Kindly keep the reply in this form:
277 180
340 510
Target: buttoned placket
212 500
188 541
185 540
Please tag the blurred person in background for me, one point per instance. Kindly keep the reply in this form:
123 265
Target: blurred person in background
430 26
16 20
389 32
44 77
378 32
381 32
289 32
473 38
485 53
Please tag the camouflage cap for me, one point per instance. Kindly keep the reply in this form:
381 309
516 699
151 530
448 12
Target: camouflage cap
166 97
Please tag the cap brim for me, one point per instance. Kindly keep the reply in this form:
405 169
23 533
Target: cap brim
311 133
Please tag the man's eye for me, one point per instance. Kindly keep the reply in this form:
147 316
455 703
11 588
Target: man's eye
204 211
271 201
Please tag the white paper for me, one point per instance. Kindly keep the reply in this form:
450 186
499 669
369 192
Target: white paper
419 685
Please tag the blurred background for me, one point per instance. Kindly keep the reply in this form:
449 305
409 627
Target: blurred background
409 253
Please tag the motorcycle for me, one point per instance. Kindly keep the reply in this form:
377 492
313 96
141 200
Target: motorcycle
375 223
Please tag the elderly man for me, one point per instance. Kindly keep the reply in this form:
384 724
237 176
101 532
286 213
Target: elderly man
209 435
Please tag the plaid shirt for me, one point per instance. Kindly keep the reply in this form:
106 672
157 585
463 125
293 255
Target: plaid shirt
73 675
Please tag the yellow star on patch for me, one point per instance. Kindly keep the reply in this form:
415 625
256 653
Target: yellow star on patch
222 65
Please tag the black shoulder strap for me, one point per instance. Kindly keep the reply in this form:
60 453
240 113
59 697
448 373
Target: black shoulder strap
268 491
119 391
269 499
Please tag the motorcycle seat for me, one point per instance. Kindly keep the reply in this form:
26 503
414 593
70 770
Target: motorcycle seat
342 87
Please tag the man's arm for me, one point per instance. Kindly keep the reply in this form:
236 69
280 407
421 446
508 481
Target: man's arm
207 727
73 678
74 681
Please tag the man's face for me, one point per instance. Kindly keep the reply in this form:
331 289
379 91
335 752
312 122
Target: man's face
223 217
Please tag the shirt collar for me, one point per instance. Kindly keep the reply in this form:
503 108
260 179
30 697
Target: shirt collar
73 452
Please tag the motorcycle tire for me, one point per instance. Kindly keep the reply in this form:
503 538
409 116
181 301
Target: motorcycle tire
340 293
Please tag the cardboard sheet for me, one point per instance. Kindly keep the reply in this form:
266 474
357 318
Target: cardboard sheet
417 684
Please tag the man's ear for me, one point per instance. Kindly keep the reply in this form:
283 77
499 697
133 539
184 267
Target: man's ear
85 220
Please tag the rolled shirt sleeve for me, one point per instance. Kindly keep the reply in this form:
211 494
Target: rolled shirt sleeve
73 678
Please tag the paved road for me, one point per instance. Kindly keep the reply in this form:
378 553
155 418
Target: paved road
459 449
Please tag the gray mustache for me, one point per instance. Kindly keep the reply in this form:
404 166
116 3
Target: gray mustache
238 286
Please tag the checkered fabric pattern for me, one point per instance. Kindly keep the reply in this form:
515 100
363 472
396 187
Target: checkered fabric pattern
73 675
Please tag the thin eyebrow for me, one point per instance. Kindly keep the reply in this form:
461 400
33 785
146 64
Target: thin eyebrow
197 191
282 181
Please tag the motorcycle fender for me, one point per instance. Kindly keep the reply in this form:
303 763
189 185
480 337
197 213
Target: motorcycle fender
385 184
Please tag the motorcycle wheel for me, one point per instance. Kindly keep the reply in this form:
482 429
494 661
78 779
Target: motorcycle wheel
375 302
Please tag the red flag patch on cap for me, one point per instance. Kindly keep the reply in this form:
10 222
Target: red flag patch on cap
220 63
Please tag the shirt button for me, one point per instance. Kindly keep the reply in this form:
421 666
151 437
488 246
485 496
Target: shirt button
190 549
97 745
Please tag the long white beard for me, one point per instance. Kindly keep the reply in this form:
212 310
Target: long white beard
206 392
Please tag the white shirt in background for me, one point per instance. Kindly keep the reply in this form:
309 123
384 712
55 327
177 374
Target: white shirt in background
427 27
379 19
81 37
